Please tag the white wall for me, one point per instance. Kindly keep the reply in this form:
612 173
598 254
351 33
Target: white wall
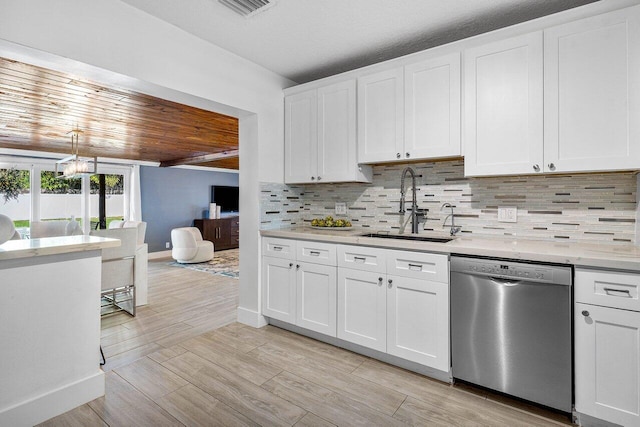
98 38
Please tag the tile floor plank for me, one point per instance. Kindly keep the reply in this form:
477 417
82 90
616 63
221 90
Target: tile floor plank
151 378
79 417
245 397
364 391
334 407
243 365
123 405
193 407
312 420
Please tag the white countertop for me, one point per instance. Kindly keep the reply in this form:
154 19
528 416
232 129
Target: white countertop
622 257
28 248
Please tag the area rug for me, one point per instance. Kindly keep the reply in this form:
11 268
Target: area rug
224 263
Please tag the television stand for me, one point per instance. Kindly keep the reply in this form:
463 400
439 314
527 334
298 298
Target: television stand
223 232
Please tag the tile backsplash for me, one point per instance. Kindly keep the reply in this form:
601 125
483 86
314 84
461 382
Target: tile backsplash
583 207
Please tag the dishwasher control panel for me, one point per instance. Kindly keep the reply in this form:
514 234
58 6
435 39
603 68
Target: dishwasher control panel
512 270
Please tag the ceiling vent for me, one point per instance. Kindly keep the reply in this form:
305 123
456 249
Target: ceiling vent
248 8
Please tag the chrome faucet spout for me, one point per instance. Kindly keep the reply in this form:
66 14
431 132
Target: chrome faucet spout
414 203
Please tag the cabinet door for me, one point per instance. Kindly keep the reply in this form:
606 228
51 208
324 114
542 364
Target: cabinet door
301 137
380 116
432 108
503 107
607 363
362 308
337 132
278 289
316 298
592 93
418 321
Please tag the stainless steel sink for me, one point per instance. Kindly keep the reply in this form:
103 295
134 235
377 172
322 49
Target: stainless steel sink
409 237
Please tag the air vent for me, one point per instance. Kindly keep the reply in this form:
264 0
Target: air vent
248 8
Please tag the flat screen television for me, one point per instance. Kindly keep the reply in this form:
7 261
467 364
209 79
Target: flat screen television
226 197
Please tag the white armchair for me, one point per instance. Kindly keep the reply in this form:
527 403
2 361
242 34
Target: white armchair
118 270
141 258
55 228
188 246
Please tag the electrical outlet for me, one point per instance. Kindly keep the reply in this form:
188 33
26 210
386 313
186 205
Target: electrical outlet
341 208
508 214
167 245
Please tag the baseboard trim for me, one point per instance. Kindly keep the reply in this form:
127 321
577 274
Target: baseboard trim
251 318
161 254
54 403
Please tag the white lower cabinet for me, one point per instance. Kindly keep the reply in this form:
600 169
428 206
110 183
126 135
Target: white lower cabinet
362 308
607 347
316 298
299 292
395 302
418 321
279 288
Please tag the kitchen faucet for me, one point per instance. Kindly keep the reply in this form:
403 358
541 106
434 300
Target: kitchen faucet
454 229
415 220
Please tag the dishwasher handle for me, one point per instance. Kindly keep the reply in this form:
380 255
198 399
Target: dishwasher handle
504 282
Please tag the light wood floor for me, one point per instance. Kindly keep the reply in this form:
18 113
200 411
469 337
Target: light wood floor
184 361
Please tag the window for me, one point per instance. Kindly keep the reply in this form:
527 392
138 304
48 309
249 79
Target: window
18 209
114 198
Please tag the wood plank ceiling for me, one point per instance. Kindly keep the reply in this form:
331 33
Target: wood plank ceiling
38 107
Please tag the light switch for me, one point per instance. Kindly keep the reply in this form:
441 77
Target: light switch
508 214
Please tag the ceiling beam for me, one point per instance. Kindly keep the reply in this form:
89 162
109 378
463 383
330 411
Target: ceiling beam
200 159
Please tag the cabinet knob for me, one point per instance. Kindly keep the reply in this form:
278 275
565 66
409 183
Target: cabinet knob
319 178
536 168
380 280
407 155
398 155
551 166
297 266
585 313
390 283
313 178
290 264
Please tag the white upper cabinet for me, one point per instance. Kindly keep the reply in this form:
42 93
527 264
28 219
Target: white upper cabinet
380 116
320 136
301 137
411 112
432 108
504 107
592 93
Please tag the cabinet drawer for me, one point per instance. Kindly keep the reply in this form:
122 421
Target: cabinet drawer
279 248
316 252
615 289
419 265
362 258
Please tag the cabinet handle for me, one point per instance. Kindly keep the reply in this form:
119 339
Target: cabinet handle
313 178
390 283
290 264
585 313
297 266
407 154
536 168
398 155
319 178
314 253
359 259
380 280
551 166
622 291
415 266
277 248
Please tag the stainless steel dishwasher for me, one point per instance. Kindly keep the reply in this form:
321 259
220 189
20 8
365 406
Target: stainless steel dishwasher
511 328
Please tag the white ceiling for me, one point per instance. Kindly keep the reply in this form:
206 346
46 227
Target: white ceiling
305 40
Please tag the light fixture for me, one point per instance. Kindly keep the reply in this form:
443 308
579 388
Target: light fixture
73 166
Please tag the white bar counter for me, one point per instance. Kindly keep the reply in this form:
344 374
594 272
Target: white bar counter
49 326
